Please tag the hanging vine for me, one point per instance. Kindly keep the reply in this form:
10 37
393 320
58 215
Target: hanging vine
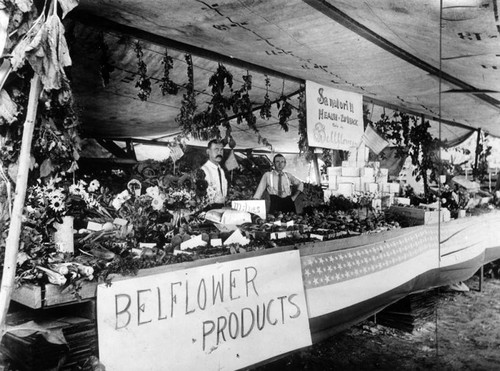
242 106
303 142
167 86
105 62
188 104
144 82
265 110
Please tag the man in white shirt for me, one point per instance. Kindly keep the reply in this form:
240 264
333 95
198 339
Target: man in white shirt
214 174
279 186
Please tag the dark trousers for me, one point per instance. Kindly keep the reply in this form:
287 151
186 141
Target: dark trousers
281 204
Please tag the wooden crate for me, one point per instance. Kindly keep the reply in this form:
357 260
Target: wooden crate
48 295
415 216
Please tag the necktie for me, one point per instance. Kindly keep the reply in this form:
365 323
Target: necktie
280 184
220 181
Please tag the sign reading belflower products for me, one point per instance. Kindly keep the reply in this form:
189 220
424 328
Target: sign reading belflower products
222 316
334 117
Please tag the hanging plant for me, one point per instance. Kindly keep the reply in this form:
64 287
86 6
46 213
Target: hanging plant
242 106
188 104
144 82
284 113
167 86
105 62
265 110
303 142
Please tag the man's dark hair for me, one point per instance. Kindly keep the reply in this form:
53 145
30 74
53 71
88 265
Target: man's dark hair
278 155
213 141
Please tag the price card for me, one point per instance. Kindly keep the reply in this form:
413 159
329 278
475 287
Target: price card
193 242
290 223
237 237
120 221
278 223
216 242
93 226
316 236
280 235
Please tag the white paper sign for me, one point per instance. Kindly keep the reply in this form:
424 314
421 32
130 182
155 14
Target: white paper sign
334 117
222 316
257 207
193 242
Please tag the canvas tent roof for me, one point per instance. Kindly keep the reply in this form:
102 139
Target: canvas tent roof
390 52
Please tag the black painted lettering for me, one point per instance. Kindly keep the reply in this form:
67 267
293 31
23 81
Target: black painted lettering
268 313
234 325
160 311
141 307
207 332
221 328
244 321
173 297
218 289
290 300
281 298
202 295
251 272
232 284
124 311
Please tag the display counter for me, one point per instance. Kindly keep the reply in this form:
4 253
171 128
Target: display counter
342 282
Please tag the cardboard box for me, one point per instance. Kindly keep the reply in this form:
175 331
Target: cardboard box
355 180
418 216
345 189
350 171
334 171
371 187
332 182
367 171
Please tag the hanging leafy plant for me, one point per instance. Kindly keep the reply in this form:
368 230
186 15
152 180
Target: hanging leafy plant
188 104
105 62
144 82
284 113
265 110
242 106
167 86
303 142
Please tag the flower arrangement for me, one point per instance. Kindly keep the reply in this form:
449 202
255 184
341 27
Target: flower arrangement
50 201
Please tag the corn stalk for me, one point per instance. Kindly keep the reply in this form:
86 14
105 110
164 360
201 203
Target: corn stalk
12 242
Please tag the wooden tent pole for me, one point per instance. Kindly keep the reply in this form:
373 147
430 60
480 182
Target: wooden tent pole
12 242
316 169
476 153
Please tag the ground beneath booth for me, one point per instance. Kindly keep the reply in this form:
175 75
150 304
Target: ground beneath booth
464 334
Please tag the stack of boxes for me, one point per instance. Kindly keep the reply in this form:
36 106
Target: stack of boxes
354 177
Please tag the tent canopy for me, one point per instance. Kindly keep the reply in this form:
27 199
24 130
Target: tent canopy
414 56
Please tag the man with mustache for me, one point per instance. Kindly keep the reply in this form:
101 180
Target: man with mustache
214 174
283 187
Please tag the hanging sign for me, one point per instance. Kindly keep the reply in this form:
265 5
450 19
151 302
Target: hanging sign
334 117
221 316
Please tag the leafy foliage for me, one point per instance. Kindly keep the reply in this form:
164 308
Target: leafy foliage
144 82
167 86
188 105
265 110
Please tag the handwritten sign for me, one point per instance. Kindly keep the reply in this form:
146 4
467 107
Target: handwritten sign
257 207
224 316
334 117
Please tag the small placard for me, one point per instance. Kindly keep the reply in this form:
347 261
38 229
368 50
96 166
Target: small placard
237 237
120 221
278 223
280 235
290 223
316 236
192 243
257 207
143 245
93 226
216 242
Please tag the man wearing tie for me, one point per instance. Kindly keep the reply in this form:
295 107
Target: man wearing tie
214 174
279 186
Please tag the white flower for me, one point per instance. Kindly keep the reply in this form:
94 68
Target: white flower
157 203
94 185
153 191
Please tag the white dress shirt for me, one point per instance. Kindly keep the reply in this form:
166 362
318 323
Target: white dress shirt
270 181
212 177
